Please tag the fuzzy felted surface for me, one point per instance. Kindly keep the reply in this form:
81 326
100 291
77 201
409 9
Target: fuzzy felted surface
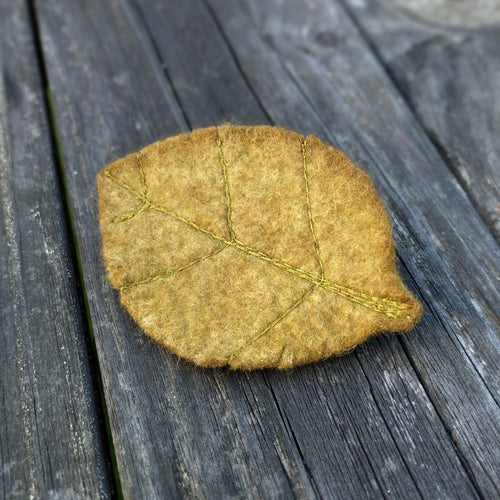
252 247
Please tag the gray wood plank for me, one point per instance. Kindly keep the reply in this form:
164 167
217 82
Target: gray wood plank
312 54
50 433
445 60
180 430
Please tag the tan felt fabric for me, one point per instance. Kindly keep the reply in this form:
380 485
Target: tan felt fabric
251 247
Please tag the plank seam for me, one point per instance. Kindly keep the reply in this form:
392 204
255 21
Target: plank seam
429 394
293 437
235 59
104 431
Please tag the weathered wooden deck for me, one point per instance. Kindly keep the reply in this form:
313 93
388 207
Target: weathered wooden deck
90 407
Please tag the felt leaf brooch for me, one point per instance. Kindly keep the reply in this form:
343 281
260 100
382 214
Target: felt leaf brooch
251 247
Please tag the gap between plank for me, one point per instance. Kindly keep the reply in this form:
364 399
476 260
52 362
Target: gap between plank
235 59
448 428
104 428
294 439
131 5
375 400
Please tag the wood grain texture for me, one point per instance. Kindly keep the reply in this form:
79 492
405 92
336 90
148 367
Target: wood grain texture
443 243
50 435
358 426
444 59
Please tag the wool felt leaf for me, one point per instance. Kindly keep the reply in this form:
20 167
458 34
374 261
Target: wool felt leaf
251 247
